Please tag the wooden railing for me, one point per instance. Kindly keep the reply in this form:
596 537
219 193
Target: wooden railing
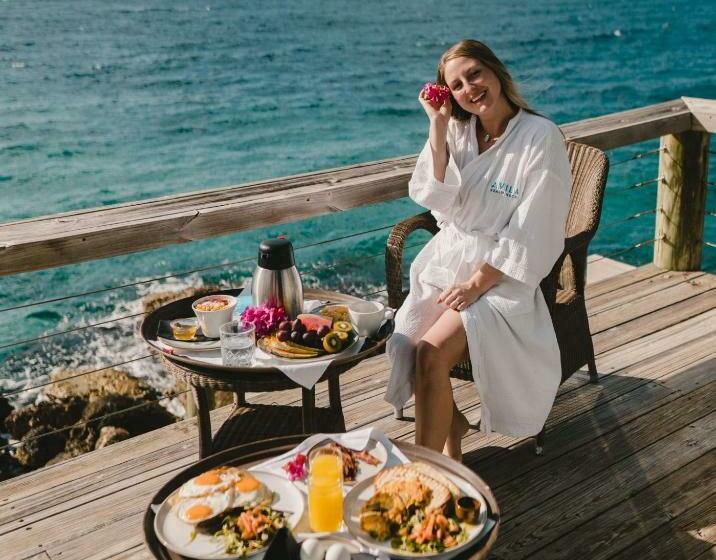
49 241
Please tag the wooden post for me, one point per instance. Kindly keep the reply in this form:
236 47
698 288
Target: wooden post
681 200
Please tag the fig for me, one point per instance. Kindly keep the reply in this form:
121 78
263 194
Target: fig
283 336
296 337
323 331
309 338
285 326
299 327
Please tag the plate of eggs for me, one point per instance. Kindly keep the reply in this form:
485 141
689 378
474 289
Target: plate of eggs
227 513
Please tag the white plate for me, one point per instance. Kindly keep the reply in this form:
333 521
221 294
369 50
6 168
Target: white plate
189 345
176 534
266 357
364 490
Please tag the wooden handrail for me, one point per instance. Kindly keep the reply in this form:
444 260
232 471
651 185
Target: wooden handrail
74 237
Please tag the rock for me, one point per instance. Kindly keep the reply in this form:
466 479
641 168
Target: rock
9 466
100 383
141 417
109 435
38 446
157 299
5 410
50 414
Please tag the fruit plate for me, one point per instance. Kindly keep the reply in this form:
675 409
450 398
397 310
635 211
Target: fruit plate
364 490
177 535
263 354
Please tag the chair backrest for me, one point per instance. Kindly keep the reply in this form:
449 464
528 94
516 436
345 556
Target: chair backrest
590 167
589 179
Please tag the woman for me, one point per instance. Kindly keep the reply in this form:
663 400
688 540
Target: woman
497 178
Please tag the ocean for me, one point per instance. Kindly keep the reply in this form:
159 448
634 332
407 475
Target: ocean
108 102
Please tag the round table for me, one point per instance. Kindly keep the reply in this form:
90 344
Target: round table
250 422
253 453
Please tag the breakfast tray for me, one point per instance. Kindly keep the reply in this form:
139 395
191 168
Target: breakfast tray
253 453
182 308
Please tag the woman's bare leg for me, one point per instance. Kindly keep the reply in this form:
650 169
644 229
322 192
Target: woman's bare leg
458 429
438 351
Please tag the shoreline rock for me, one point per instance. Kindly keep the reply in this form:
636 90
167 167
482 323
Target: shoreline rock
82 413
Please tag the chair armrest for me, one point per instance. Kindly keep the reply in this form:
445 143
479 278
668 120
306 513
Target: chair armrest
394 248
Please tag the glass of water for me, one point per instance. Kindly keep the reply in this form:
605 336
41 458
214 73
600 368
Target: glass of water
238 343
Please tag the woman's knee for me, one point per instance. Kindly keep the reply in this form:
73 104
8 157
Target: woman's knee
431 363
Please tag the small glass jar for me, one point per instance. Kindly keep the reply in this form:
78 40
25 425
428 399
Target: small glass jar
184 329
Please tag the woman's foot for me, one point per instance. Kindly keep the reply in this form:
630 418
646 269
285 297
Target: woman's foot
458 429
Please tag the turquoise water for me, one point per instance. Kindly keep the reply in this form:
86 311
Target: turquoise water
103 104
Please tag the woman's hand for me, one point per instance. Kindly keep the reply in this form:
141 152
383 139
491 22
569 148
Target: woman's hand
460 296
439 114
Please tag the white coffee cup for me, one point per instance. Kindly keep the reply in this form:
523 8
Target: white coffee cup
211 320
368 316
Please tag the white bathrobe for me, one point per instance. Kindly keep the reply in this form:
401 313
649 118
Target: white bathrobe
507 207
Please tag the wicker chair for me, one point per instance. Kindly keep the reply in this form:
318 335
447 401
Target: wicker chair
563 288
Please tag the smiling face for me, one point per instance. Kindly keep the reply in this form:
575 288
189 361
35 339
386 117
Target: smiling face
475 87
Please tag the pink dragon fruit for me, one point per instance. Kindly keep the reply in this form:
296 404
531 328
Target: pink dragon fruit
435 93
265 319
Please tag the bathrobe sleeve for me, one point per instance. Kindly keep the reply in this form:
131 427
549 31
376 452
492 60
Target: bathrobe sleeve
533 239
426 190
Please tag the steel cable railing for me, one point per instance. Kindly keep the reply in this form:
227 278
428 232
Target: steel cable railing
330 266
629 218
622 251
134 315
70 377
636 156
187 272
80 424
635 185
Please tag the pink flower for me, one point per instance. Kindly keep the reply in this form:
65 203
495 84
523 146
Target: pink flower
265 319
296 468
435 93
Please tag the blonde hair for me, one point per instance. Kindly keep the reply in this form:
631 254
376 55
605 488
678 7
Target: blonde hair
470 48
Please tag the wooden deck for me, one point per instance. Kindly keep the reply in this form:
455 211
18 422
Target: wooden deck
629 469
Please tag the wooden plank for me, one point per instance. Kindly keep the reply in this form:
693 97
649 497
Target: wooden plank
74 237
596 418
616 282
622 334
529 532
686 536
640 514
646 305
638 290
580 464
703 113
632 126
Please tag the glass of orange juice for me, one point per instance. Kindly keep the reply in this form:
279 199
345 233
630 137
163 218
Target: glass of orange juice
325 489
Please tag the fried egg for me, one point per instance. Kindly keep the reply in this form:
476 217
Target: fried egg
195 510
249 491
210 482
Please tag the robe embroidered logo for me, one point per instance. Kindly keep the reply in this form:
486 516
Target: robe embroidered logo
504 189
